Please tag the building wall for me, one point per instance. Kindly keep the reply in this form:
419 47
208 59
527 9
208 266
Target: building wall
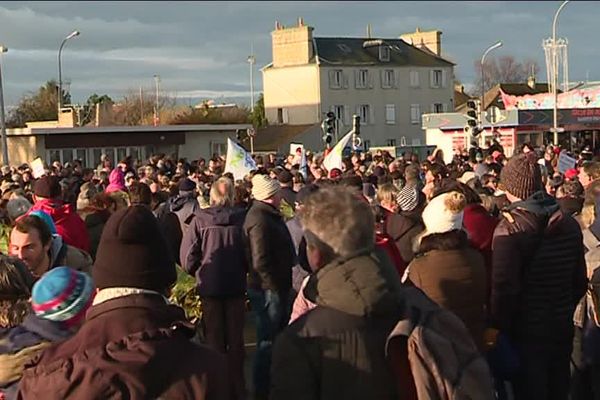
292 46
294 90
401 95
204 144
24 149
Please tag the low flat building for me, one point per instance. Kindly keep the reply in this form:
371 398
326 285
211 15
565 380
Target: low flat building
140 142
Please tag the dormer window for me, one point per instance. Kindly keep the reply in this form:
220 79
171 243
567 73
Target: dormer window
384 53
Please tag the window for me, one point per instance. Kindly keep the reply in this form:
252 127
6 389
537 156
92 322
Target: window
282 116
390 114
391 142
366 145
387 78
364 112
339 113
218 148
414 78
384 53
415 114
362 79
438 108
437 78
336 79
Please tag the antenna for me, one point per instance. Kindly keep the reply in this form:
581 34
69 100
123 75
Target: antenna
368 31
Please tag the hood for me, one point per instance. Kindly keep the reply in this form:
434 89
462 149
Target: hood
178 202
57 210
540 204
362 285
222 216
55 247
116 181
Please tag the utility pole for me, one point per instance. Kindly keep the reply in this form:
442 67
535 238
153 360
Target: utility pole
482 65
70 36
157 81
251 60
2 117
141 106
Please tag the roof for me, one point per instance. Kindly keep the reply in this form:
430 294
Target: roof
460 98
128 129
514 89
352 52
271 137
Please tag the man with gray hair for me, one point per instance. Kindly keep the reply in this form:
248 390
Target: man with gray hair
336 350
213 251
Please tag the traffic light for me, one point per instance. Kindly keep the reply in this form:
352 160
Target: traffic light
356 141
473 126
328 127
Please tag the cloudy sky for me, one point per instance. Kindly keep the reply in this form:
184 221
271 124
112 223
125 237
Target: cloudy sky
199 49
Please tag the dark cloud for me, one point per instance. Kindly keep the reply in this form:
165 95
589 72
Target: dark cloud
201 48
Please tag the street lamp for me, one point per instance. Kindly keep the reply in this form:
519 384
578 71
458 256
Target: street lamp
251 60
157 83
2 118
70 36
555 129
485 53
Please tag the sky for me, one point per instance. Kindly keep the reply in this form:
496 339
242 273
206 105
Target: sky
200 49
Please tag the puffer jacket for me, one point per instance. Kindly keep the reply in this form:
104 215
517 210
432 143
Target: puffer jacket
132 347
68 223
538 273
270 248
336 350
453 275
213 250
19 345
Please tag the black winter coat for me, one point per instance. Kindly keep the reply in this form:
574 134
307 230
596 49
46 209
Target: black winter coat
213 250
337 350
538 273
269 247
403 230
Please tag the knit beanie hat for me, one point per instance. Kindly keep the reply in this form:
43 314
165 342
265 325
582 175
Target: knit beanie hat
408 198
264 187
116 181
62 295
17 207
186 185
86 194
44 216
133 252
47 187
444 213
522 177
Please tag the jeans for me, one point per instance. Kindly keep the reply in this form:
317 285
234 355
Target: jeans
272 314
223 322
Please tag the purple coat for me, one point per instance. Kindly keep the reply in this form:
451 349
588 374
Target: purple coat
213 251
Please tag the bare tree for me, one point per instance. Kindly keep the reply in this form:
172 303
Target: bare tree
505 69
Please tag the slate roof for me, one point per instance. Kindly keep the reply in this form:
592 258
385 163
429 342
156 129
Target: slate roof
351 52
492 97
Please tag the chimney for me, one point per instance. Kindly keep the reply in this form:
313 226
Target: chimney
300 21
292 46
430 40
531 82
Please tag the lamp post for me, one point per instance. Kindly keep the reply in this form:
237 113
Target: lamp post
70 36
485 53
157 82
555 129
251 60
2 118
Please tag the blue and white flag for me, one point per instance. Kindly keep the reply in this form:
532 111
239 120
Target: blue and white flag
239 162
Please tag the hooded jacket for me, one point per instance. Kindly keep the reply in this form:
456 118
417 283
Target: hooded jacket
538 273
19 345
61 254
132 347
69 224
213 250
184 205
336 350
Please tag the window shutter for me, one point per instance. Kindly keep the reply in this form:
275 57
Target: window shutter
445 107
358 113
345 79
371 115
432 78
285 116
443 78
382 75
356 78
370 79
396 79
433 108
331 79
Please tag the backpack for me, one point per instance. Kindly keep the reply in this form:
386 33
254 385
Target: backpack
435 348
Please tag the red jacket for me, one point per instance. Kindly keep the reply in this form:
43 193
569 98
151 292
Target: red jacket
68 223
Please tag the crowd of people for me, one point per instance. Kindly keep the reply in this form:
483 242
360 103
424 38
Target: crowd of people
386 278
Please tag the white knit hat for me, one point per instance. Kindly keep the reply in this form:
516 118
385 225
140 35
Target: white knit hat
264 187
444 213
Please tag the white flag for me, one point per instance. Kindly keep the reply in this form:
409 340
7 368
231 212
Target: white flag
239 162
334 158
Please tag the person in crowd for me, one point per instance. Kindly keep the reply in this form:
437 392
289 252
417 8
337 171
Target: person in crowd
59 301
589 172
16 283
213 250
401 229
35 241
133 343
116 181
185 204
336 350
538 276
46 196
86 193
569 197
448 270
286 192
271 256
140 194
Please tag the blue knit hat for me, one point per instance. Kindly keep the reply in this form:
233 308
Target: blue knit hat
63 295
44 216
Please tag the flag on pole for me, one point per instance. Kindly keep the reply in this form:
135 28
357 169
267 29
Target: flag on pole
303 165
239 162
334 158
